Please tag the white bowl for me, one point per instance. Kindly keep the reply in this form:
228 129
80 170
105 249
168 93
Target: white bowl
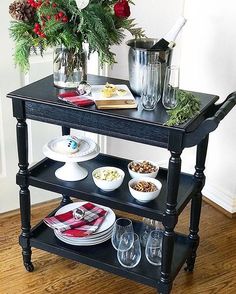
145 197
136 175
107 185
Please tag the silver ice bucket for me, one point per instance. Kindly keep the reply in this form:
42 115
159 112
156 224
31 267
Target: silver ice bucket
140 55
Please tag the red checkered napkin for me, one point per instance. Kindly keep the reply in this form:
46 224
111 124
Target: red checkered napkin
67 225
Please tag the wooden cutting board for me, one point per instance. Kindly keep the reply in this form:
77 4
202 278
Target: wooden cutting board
116 104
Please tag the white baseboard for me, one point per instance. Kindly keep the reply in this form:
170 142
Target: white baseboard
226 200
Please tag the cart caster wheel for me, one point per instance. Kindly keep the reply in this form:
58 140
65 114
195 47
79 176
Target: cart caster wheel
189 269
29 267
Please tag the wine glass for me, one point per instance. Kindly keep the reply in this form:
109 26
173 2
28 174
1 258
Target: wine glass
153 250
121 226
130 257
147 226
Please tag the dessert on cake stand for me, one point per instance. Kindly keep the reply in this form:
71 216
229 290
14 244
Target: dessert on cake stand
71 150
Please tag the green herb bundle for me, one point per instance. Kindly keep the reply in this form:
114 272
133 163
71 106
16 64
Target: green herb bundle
187 107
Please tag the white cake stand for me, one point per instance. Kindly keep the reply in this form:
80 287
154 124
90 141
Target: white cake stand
71 170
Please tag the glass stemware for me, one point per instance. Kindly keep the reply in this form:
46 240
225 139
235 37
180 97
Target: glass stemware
153 250
130 257
151 86
147 226
121 226
171 86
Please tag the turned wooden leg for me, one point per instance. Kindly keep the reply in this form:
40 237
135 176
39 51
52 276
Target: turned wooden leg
24 194
170 221
196 203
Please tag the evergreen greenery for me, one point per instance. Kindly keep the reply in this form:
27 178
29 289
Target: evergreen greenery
96 24
187 107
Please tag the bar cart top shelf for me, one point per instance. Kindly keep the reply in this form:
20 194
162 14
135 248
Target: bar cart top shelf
43 91
137 125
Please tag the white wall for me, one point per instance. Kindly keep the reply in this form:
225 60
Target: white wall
39 134
208 64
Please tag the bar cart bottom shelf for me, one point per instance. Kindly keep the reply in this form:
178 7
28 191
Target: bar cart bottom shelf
103 256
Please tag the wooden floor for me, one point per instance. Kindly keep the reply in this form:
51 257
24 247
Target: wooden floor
215 270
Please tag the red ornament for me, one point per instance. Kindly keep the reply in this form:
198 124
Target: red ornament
122 9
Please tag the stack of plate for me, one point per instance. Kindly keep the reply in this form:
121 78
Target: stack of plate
103 233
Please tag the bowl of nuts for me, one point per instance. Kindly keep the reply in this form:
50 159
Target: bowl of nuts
142 168
108 178
144 189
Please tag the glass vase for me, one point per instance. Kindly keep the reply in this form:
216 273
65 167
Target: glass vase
69 67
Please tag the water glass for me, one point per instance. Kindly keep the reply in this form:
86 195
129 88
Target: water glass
147 226
121 226
171 86
129 258
151 86
154 247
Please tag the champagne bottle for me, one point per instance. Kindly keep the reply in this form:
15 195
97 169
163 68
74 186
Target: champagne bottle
168 40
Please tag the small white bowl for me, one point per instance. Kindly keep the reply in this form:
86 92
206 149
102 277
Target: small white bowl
107 185
144 197
137 175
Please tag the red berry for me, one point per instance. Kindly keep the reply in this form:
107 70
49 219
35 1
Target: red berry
42 35
54 5
37 26
65 19
35 30
48 17
60 14
56 17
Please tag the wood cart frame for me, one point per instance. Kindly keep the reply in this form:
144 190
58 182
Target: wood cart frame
38 101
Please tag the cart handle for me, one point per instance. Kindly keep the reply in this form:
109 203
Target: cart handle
211 123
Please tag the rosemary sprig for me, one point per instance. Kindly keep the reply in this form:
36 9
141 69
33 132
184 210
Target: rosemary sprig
187 107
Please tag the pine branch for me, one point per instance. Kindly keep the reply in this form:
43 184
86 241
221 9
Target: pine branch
130 25
22 53
20 30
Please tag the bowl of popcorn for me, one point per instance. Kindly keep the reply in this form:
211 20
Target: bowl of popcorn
108 178
144 189
142 168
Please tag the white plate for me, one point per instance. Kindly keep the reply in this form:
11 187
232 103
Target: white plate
107 223
97 95
88 243
78 240
89 238
86 147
